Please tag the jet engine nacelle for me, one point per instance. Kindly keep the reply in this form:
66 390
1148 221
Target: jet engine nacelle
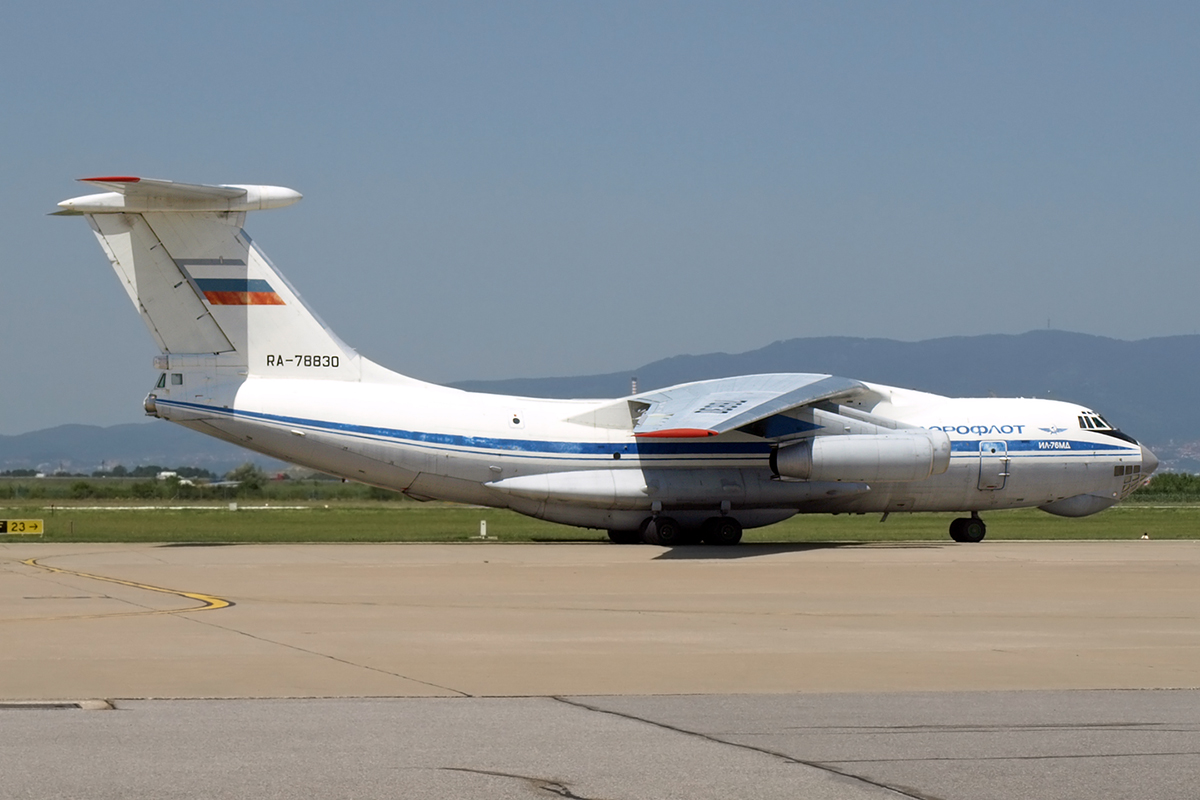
865 458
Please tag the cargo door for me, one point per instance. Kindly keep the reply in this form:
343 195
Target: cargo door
993 465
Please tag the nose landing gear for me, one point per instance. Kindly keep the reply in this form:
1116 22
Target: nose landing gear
968 529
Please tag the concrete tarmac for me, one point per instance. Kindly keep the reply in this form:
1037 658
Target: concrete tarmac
919 670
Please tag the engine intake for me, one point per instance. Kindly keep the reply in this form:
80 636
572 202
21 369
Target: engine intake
865 458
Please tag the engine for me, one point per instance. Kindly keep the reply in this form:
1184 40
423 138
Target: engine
866 458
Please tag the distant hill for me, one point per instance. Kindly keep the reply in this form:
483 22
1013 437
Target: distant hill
1145 387
84 448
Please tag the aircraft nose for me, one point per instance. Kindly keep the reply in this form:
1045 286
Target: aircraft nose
1149 461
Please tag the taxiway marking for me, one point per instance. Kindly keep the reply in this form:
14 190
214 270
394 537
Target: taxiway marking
209 602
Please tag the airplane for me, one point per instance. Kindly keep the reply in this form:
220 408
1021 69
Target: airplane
244 359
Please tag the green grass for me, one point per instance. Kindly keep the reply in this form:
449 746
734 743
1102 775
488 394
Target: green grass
412 522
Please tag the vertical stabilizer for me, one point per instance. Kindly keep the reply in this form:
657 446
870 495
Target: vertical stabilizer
202 286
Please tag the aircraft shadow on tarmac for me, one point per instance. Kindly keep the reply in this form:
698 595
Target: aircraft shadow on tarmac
752 550
693 552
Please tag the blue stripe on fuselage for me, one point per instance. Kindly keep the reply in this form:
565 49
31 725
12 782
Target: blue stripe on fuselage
1027 446
534 448
523 446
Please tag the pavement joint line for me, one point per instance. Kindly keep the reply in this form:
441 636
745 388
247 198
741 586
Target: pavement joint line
823 766
329 656
1062 757
211 603
560 788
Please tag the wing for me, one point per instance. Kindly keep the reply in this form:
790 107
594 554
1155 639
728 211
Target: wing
709 408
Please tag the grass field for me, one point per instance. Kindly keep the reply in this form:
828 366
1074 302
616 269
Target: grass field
413 522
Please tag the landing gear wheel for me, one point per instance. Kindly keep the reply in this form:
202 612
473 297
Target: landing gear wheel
625 537
974 530
722 531
968 529
662 531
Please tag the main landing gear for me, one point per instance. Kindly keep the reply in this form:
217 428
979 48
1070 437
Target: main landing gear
668 532
664 531
968 529
721 531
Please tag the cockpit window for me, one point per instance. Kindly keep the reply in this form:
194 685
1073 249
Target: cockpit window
1082 423
162 381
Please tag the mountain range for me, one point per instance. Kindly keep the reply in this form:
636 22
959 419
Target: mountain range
1141 386
84 448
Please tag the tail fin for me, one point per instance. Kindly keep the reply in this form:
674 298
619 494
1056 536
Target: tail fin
201 285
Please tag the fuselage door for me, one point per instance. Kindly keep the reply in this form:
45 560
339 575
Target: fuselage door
993 465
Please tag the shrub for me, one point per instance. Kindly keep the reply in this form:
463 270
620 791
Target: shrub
82 490
249 477
143 490
1177 485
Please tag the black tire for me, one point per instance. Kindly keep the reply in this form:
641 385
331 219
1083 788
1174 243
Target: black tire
722 531
670 532
968 529
625 537
973 530
649 531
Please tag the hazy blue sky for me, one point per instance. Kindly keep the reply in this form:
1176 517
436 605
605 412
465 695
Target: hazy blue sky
530 189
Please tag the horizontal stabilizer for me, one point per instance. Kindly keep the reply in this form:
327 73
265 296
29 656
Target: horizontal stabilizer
136 195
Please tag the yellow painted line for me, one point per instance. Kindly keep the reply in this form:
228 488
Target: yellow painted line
208 601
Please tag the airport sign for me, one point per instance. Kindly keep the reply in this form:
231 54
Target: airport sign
17 527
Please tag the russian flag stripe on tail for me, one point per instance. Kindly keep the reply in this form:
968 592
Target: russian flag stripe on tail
238 292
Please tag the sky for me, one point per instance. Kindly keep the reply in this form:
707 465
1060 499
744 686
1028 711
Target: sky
531 189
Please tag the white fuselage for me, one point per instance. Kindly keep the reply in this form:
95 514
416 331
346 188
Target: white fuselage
559 459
